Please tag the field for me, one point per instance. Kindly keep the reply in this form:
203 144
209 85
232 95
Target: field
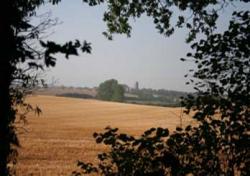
62 134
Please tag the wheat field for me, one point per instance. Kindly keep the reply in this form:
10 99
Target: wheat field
53 142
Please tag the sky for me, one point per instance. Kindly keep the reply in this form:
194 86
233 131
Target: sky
147 57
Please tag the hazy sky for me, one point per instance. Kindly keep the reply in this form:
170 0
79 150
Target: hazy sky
147 57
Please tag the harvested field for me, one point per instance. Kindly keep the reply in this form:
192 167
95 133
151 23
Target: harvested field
63 133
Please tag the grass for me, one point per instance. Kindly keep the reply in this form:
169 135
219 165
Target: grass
63 133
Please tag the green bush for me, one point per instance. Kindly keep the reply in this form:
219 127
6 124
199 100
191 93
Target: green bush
110 90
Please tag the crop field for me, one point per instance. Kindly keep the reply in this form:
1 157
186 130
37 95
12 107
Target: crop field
53 142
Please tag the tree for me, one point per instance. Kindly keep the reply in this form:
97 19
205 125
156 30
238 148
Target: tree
223 99
110 90
118 93
19 47
220 143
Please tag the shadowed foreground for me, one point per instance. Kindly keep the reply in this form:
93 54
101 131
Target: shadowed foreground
63 133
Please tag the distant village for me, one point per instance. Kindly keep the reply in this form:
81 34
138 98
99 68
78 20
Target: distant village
135 94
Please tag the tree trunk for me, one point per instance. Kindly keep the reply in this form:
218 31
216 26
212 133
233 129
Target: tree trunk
7 115
5 118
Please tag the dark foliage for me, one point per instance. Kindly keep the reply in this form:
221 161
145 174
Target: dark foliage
223 99
20 56
168 15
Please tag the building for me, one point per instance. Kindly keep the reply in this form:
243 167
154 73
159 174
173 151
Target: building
136 85
126 88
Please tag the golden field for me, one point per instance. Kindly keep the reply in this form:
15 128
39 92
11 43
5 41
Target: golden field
62 134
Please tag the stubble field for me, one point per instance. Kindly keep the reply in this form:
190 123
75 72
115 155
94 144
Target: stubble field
62 134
